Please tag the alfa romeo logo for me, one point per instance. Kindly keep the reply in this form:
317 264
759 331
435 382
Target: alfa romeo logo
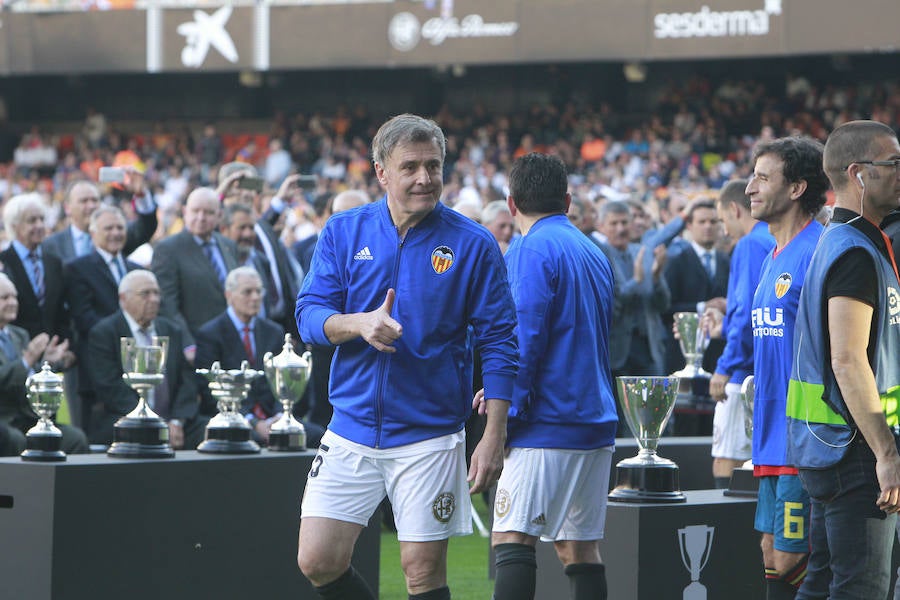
404 31
501 503
443 507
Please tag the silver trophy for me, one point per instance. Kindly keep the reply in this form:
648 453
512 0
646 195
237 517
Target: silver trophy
229 432
742 482
142 433
647 404
43 442
695 543
288 375
693 342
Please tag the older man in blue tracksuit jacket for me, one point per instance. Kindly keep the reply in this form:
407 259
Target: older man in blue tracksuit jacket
397 285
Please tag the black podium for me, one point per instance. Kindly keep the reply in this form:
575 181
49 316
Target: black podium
198 526
655 551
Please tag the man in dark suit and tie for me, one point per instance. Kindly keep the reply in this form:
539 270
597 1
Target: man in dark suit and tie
240 334
697 278
82 199
92 283
21 355
175 400
191 267
37 275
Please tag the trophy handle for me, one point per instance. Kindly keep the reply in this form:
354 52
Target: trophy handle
681 540
710 531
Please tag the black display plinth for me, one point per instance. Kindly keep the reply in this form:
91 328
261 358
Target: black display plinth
196 526
643 550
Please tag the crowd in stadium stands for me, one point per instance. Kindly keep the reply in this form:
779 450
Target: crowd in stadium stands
698 137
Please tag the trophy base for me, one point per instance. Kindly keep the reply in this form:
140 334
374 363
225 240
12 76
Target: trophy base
287 441
141 438
43 448
743 483
228 440
655 482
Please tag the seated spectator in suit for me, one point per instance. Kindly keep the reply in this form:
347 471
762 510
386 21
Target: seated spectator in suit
175 400
21 355
240 334
191 267
81 200
92 283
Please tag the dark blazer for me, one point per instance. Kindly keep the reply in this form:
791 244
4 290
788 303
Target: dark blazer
218 340
92 293
690 284
191 292
52 318
139 232
286 266
116 396
91 290
13 373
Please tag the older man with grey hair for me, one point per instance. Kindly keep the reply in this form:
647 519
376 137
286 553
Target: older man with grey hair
81 200
20 356
175 400
37 275
400 285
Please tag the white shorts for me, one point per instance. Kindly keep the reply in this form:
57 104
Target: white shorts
729 437
554 494
425 482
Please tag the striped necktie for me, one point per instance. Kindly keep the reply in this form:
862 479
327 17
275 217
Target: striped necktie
210 255
37 271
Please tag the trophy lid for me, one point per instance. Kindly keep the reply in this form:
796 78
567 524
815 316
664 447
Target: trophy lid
45 381
287 358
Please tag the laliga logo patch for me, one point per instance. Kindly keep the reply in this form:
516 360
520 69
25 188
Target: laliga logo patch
893 301
442 259
782 285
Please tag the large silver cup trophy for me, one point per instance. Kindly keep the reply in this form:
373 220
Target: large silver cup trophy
647 403
742 482
288 375
43 442
229 432
693 342
142 433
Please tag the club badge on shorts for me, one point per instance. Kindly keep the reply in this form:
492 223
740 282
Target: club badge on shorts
442 259
502 503
783 284
443 507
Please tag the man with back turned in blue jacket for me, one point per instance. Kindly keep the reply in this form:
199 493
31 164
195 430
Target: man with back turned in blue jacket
562 422
396 286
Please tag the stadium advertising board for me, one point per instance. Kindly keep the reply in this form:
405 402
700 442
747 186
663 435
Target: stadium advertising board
181 35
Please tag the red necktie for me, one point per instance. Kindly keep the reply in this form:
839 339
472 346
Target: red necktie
248 345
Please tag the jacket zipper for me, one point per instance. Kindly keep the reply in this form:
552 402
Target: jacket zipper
385 357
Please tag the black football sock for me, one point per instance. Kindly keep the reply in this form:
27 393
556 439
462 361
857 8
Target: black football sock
587 581
349 586
516 572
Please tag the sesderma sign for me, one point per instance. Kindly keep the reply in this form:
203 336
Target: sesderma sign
709 23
